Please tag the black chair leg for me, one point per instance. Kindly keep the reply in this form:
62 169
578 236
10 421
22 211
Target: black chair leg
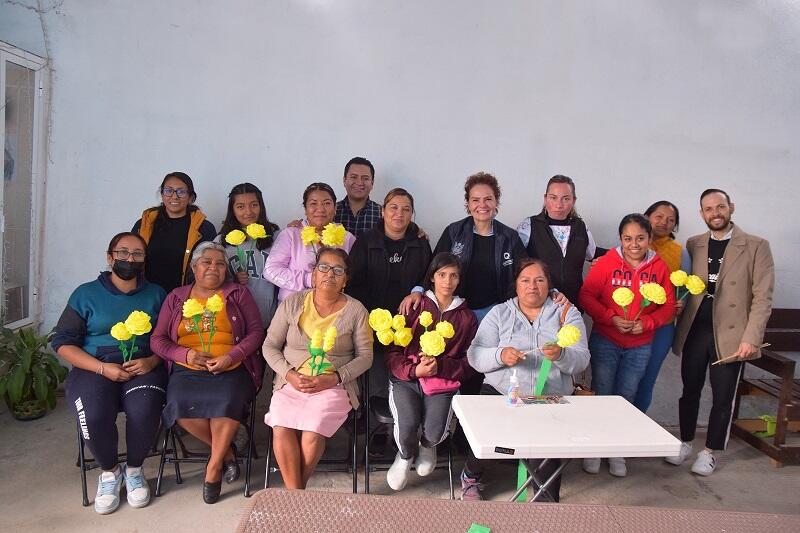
167 432
178 478
249 463
354 451
82 464
450 467
269 457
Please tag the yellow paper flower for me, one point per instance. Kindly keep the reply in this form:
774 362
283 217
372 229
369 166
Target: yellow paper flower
568 335
678 278
235 237
695 285
329 339
425 319
445 329
316 339
333 235
192 307
255 231
622 296
138 323
120 332
309 235
215 303
398 322
653 292
403 336
385 336
380 319
431 343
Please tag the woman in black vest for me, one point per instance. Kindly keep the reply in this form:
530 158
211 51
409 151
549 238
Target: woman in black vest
386 262
559 237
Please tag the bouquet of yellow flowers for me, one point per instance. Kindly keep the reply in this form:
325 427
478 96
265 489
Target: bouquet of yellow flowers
333 235
318 347
137 323
389 329
692 284
432 342
237 237
196 312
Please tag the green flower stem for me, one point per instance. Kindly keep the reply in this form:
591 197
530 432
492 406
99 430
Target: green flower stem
240 255
625 311
212 328
124 349
645 303
196 319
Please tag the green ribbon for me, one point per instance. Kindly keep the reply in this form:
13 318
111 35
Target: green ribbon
541 379
522 477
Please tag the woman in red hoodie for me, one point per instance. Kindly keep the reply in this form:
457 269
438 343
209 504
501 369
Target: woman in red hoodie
620 341
421 388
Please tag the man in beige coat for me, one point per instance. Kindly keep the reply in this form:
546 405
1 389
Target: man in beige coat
726 322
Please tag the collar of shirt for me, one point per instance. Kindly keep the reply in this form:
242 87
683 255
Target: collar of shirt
724 237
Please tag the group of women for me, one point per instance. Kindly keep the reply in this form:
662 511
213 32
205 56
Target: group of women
299 299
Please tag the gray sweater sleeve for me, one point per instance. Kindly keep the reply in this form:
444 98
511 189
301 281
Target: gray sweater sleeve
484 352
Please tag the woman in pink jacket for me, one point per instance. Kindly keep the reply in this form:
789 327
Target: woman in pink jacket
291 261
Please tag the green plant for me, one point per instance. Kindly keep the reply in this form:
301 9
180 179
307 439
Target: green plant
29 372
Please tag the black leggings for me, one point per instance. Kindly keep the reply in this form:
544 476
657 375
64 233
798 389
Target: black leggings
97 400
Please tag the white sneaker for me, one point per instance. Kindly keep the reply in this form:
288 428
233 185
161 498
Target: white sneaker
591 465
136 487
397 476
426 460
704 465
617 467
108 485
683 454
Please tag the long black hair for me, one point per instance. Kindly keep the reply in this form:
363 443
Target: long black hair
230 223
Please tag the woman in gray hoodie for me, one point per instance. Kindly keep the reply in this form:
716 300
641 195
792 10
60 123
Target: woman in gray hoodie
516 335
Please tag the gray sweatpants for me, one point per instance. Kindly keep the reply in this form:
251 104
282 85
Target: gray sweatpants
413 410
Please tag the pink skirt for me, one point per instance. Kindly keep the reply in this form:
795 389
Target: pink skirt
321 412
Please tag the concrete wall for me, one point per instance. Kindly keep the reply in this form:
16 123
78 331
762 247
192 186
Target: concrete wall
636 100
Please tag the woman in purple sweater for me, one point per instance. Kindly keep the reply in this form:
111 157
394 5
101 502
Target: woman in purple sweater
213 364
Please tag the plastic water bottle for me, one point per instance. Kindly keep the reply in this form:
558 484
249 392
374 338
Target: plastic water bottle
513 389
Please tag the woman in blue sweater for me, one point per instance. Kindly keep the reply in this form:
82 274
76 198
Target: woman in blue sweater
101 383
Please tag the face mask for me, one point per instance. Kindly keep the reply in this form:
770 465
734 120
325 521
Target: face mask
127 270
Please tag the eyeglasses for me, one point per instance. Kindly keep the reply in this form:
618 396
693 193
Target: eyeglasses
168 191
325 268
124 255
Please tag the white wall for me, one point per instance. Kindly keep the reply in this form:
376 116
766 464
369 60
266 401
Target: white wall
636 100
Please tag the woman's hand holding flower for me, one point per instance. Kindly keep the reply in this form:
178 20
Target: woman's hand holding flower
220 364
552 351
511 356
637 328
115 372
427 367
623 325
196 358
141 366
242 277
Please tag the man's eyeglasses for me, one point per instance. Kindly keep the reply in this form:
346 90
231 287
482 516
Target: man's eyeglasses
124 255
168 191
325 268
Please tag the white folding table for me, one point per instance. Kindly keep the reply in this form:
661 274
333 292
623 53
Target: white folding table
585 426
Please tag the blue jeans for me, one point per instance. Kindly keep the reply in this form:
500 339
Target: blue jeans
617 370
662 342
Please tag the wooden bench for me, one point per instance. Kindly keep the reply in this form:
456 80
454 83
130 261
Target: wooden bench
783 334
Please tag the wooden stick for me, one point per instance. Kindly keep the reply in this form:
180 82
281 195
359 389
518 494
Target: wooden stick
766 344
